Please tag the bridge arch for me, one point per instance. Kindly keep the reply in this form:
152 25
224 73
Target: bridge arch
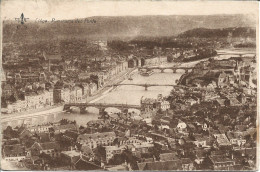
74 108
112 110
169 70
156 70
92 109
180 70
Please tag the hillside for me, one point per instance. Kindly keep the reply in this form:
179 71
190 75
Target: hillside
219 33
122 27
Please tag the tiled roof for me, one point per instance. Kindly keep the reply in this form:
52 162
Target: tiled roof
49 145
96 136
13 150
168 156
85 165
65 127
220 159
160 165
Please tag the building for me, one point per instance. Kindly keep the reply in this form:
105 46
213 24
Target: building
113 150
14 152
236 138
40 128
165 105
222 139
64 128
220 162
148 104
49 148
97 139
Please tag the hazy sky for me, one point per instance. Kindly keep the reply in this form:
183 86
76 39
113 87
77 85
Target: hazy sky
68 9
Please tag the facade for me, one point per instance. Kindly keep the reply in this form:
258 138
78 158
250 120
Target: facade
14 152
97 139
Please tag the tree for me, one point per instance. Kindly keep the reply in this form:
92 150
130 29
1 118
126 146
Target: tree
117 159
100 153
9 133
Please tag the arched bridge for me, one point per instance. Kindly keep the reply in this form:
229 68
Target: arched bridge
100 106
235 53
145 85
173 68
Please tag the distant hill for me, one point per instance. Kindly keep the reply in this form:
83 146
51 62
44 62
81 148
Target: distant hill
123 27
219 33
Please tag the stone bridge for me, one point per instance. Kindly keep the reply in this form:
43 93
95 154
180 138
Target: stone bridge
235 53
145 85
174 68
100 106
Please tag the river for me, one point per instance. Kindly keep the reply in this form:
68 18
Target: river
119 95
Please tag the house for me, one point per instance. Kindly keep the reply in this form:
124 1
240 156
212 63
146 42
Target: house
222 139
187 164
165 105
44 137
97 139
182 126
236 138
64 128
70 136
6 90
168 156
141 147
85 165
25 133
221 162
49 148
160 165
87 151
200 156
92 88
39 128
14 152
113 150
70 157
148 104
200 140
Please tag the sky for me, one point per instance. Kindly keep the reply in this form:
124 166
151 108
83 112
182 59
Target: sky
68 9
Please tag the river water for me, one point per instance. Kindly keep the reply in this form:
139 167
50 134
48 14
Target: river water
119 95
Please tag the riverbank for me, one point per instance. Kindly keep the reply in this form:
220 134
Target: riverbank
59 108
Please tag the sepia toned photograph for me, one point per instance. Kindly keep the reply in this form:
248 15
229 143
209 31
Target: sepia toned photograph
129 85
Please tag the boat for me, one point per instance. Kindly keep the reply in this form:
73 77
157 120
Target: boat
146 73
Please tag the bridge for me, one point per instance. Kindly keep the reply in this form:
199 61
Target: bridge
236 53
100 106
145 85
173 68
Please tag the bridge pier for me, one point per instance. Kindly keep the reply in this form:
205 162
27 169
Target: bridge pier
83 110
145 87
125 110
101 111
66 108
186 70
174 70
162 70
